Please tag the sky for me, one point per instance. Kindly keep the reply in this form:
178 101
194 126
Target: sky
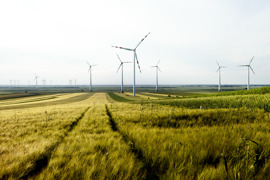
54 38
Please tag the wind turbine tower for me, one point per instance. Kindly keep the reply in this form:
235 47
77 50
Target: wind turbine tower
121 65
219 70
135 58
157 69
90 70
249 67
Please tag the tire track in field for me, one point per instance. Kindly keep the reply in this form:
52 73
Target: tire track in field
42 161
150 173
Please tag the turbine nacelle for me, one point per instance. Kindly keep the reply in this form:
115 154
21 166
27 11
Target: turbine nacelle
135 59
220 67
157 69
249 67
121 62
90 66
134 50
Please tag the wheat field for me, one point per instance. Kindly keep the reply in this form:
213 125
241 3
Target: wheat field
117 136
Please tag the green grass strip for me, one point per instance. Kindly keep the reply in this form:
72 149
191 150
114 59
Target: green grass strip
118 98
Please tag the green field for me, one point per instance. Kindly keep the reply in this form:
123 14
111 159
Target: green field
176 133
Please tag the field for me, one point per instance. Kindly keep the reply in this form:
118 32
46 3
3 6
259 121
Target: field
171 134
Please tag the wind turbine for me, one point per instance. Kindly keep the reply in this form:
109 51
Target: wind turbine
249 67
75 81
44 82
121 64
36 78
157 69
135 58
90 70
219 70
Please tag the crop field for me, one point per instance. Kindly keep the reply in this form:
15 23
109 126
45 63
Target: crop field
111 135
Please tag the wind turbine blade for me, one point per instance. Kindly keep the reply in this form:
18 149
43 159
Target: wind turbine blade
137 61
251 60
243 65
141 40
119 58
89 68
119 68
127 62
218 64
218 69
123 48
88 63
251 69
158 62
159 69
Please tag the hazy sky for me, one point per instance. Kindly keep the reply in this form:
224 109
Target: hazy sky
55 38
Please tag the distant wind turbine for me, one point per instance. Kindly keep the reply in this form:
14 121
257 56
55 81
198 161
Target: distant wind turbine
249 67
135 58
44 82
121 65
219 70
75 80
36 78
157 69
90 70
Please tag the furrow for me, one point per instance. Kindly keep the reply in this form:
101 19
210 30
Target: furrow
151 174
41 162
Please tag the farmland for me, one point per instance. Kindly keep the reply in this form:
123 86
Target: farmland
109 135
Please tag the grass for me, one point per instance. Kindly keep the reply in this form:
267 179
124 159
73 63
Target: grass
117 136
194 151
65 99
118 98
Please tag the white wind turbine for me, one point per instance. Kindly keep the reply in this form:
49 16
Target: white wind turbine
121 64
90 70
157 69
36 78
135 58
219 70
249 67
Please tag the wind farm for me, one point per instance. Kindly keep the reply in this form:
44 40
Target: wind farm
195 111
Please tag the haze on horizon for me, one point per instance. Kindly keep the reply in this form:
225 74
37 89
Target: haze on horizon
54 39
